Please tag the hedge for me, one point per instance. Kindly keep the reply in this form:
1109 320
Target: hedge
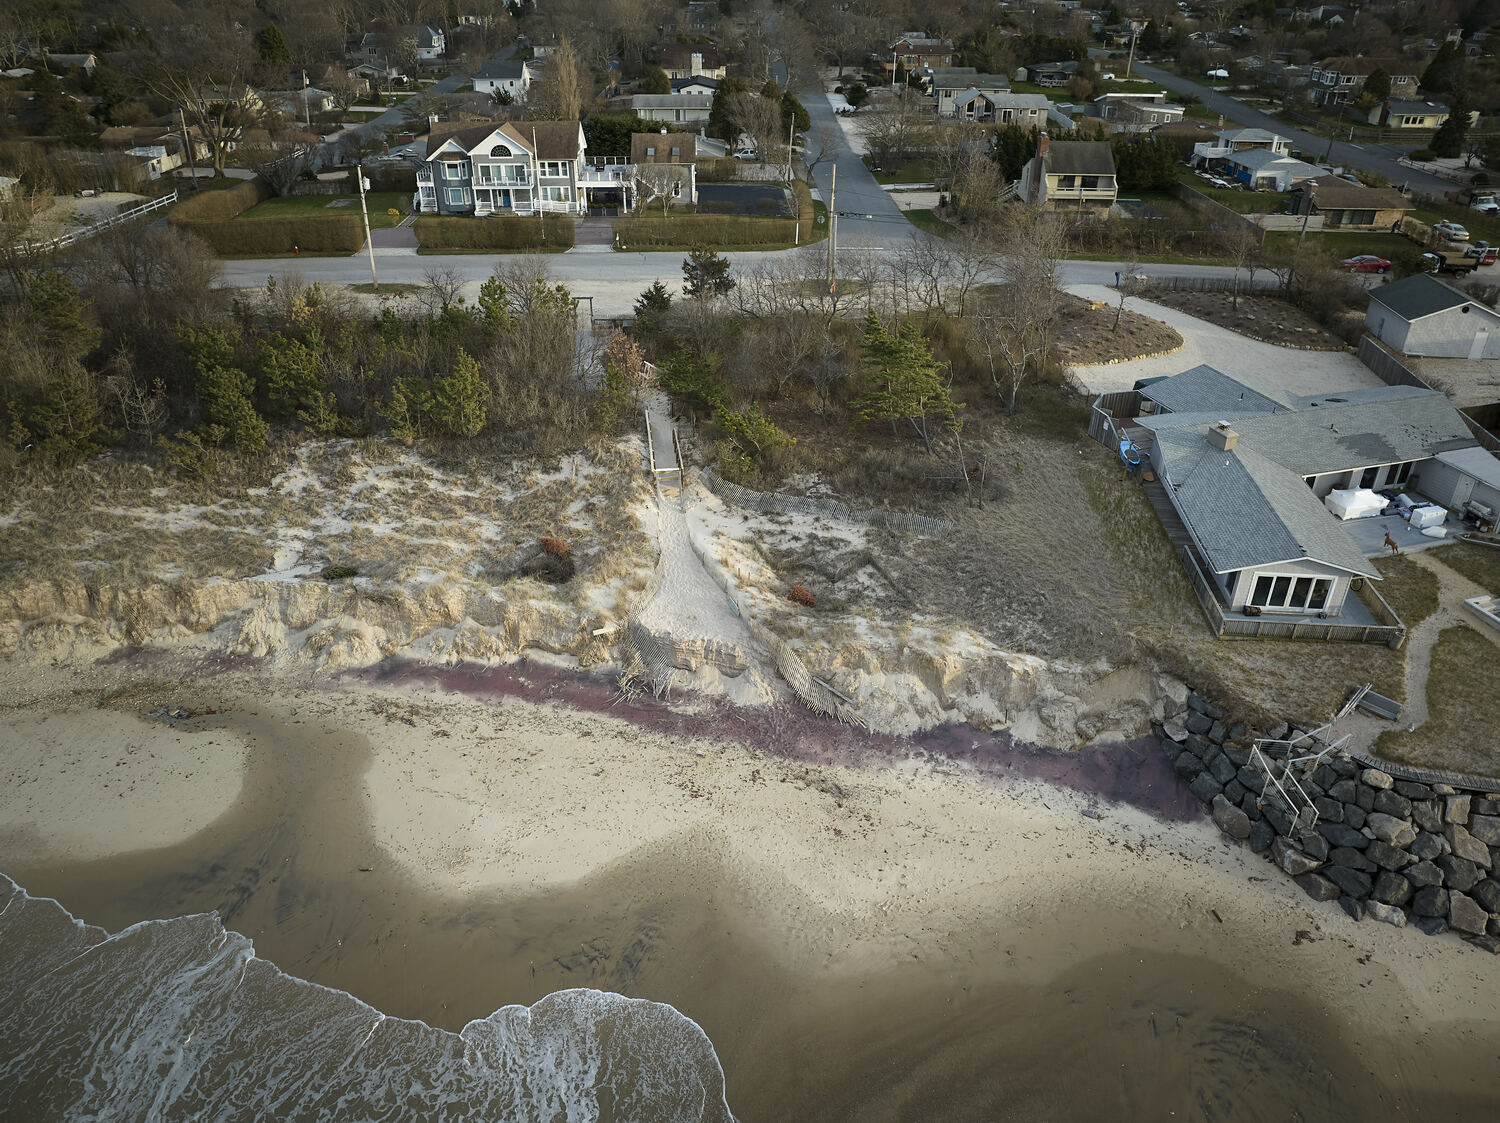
218 205
705 230
249 236
508 232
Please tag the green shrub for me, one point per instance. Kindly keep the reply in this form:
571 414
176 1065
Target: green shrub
1422 155
338 572
705 230
507 233
219 206
311 234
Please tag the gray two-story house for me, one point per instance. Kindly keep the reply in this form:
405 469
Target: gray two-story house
519 167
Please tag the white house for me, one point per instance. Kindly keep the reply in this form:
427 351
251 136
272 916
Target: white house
1264 170
678 109
432 43
1422 315
510 76
1230 141
515 168
947 83
698 84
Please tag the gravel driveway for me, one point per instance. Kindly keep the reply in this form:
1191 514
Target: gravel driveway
1261 365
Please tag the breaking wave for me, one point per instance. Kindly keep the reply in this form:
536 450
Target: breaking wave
178 1018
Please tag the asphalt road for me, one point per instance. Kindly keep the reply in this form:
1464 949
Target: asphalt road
1377 158
868 217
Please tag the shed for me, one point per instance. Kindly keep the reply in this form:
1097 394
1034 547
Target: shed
1465 475
1422 315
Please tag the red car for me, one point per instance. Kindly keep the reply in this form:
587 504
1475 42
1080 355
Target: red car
1366 263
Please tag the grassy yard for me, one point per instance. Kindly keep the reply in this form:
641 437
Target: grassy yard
1456 734
1403 254
1480 564
303 206
926 220
910 171
1245 202
1410 590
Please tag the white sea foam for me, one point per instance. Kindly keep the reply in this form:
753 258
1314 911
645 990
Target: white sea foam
174 1019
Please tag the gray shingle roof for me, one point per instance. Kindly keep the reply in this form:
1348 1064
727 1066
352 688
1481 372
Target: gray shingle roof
507 69
1420 295
1206 390
1245 510
672 101
1405 423
1080 157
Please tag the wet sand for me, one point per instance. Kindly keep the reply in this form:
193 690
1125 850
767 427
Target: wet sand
865 928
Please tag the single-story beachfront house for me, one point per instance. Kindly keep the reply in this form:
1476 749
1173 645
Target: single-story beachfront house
1246 474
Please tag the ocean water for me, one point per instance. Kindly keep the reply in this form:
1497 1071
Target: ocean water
178 1019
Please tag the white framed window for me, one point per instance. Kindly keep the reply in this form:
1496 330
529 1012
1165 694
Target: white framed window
457 196
1291 593
453 171
555 168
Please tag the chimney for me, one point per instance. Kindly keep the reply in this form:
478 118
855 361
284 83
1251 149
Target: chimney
697 63
1221 436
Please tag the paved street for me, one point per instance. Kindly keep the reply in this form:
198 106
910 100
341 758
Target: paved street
858 193
1380 159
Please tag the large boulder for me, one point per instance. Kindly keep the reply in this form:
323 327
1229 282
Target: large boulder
1413 790
1358 885
1340 834
1198 723
1230 819
1388 857
1467 846
1389 803
1459 873
1318 887
1391 888
1486 828
1386 914
1487 893
1290 859
1429 925
1423 874
1329 810
1187 765
1388 828
1456 809
1431 901
1343 791
1223 769
1314 845
1350 858
1427 815
1261 836
1205 787
1466 916
1354 814
1376 778
1427 846
1201 705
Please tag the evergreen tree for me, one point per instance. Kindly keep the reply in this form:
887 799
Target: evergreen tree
1377 85
270 45
291 373
705 275
720 123
1011 148
651 306
56 313
907 382
794 114
224 391
1443 72
460 401
654 81
1449 139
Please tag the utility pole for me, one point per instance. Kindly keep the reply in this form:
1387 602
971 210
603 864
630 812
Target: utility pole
1136 27
359 170
306 105
187 143
791 139
833 226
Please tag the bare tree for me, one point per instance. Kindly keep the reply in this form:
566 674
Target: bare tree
666 182
565 88
759 118
1242 244
1128 278
442 288
893 133
208 83
279 166
1013 330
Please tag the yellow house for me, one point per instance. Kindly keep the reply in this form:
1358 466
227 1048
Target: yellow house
1070 173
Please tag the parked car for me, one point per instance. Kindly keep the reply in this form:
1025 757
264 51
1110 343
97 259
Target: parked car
745 154
1366 263
1450 231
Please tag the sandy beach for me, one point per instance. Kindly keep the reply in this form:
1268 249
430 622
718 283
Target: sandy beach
439 854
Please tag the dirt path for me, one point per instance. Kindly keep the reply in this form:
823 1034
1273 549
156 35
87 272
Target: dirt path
1453 590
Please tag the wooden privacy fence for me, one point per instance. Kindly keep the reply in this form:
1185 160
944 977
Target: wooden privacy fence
1117 407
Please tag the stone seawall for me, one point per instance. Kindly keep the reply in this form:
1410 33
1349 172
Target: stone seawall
1393 850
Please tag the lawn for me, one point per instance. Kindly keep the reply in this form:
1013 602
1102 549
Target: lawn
1410 590
926 220
1480 564
304 206
1403 254
1244 202
909 171
1460 693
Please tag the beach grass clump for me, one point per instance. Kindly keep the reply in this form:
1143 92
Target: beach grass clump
338 572
799 594
1456 735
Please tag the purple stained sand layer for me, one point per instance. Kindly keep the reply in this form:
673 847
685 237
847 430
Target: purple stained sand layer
1135 772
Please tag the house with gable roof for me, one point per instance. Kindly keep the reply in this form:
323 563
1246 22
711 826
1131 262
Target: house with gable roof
520 167
1241 477
1421 315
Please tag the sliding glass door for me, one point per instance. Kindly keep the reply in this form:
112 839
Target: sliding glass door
1291 594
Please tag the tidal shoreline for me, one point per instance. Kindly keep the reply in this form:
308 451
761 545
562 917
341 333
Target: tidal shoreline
439 844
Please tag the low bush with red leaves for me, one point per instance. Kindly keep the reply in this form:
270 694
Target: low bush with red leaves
800 595
554 546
